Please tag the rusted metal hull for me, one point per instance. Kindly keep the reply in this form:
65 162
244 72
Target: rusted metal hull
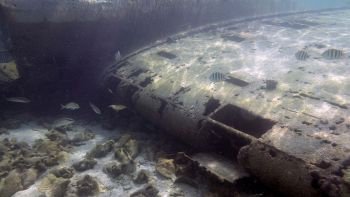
244 118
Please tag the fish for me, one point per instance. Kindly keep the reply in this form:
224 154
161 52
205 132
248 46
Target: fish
118 107
117 56
18 100
110 91
70 106
217 77
62 122
333 54
95 108
302 55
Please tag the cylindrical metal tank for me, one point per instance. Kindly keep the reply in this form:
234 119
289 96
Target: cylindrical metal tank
191 88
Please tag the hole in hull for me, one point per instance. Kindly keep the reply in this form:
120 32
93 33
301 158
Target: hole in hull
243 120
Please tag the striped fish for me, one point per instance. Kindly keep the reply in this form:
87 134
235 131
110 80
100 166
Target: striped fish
302 55
332 54
5 57
217 77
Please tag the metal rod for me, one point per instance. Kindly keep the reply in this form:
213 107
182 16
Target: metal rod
234 131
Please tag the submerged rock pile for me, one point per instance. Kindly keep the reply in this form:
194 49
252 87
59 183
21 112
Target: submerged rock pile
74 161
21 164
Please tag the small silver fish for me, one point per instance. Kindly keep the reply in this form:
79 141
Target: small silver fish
117 56
18 100
333 54
302 55
217 77
70 106
62 122
117 108
110 91
95 108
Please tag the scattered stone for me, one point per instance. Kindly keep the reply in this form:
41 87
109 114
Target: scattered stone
85 164
121 155
177 192
87 186
148 191
11 184
115 169
81 137
129 167
63 172
346 176
29 177
122 141
51 160
339 120
101 150
59 188
132 148
53 186
166 168
142 177
58 136
46 146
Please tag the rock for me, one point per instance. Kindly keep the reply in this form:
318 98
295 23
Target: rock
20 145
115 169
87 186
46 146
62 156
121 155
58 136
101 150
46 183
129 167
85 164
346 176
29 177
132 148
142 177
147 191
122 140
8 71
82 137
177 192
50 160
11 184
59 188
166 168
53 186
63 172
